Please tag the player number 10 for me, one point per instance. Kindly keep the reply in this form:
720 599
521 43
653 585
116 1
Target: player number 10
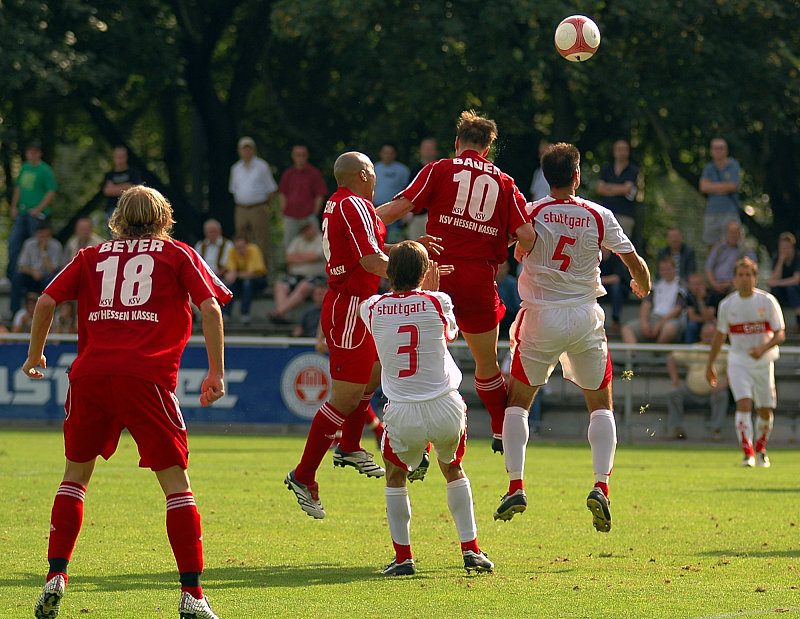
482 195
137 280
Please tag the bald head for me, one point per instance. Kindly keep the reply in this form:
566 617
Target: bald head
355 171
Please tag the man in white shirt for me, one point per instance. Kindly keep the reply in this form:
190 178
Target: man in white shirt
252 184
84 236
560 320
214 248
411 326
659 316
753 321
540 188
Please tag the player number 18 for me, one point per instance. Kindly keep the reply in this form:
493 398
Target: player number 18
137 280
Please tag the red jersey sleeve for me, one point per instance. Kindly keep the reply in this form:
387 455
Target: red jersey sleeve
198 279
360 227
64 286
420 191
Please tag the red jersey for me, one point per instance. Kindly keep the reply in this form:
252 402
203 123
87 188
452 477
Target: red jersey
473 207
351 230
134 314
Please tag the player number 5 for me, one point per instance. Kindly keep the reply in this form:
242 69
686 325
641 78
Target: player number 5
410 349
559 254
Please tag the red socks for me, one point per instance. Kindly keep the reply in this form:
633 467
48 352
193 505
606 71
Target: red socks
603 486
471 545
186 538
401 552
323 429
493 394
65 525
374 424
353 426
514 485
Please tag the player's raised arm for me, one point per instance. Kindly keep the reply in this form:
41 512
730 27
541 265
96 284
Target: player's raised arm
40 328
394 209
639 272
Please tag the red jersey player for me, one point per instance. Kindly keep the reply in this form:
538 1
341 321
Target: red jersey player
353 243
134 319
475 209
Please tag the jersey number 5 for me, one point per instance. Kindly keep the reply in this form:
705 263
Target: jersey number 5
409 349
559 254
137 280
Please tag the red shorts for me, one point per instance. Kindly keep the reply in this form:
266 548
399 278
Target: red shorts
98 408
351 347
473 289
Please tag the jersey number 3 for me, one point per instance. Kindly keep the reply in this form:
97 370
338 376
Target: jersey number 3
409 349
559 254
137 280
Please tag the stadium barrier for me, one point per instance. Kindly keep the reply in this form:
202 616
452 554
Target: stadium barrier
282 381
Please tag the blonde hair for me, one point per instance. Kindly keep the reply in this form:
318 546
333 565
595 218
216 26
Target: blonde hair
477 130
141 212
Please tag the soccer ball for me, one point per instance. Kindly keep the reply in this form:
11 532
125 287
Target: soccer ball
577 38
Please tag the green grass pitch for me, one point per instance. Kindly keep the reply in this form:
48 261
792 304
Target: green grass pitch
694 535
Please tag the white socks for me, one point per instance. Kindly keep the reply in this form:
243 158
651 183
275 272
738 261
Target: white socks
744 430
602 436
459 500
763 430
515 440
398 512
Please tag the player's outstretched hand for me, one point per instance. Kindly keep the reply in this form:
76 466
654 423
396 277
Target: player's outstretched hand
431 243
711 376
519 253
431 279
30 365
638 290
212 389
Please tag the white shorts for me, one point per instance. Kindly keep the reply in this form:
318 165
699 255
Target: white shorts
756 382
543 336
410 426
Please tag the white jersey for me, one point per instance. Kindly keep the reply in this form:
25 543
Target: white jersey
564 266
749 322
411 331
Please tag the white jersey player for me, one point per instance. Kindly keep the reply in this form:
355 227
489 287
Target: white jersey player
411 328
560 320
753 321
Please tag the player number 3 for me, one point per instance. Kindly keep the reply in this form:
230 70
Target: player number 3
409 349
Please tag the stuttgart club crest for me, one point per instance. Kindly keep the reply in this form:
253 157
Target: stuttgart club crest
305 384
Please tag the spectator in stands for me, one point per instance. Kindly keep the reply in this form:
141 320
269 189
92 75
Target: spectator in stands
616 279
66 320
695 390
659 314
245 274
785 278
305 270
214 248
720 182
618 185
252 184
539 185
699 307
309 321
721 261
34 191
416 222
120 178
302 192
83 236
682 255
509 294
39 261
391 177
23 318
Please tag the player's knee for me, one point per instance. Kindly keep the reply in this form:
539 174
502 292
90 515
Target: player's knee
395 476
452 471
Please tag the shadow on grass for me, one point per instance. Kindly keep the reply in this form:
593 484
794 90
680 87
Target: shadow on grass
749 553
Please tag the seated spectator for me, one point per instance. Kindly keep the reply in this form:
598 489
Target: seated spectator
660 314
214 248
509 295
245 274
305 267
695 390
23 318
66 320
699 307
616 279
721 261
39 261
785 279
83 236
682 255
309 321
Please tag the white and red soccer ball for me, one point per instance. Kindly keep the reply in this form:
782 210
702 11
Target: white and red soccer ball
577 38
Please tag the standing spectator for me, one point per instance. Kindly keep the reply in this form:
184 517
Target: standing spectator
682 255
540 188
417 222
700 308
721 261
83 236
659 314
252 184
305 269
720 181
392 178
34 192
695 390
616 280
214 248
38 263
618 185
246 274
785 278
120 178
509 295
302 191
